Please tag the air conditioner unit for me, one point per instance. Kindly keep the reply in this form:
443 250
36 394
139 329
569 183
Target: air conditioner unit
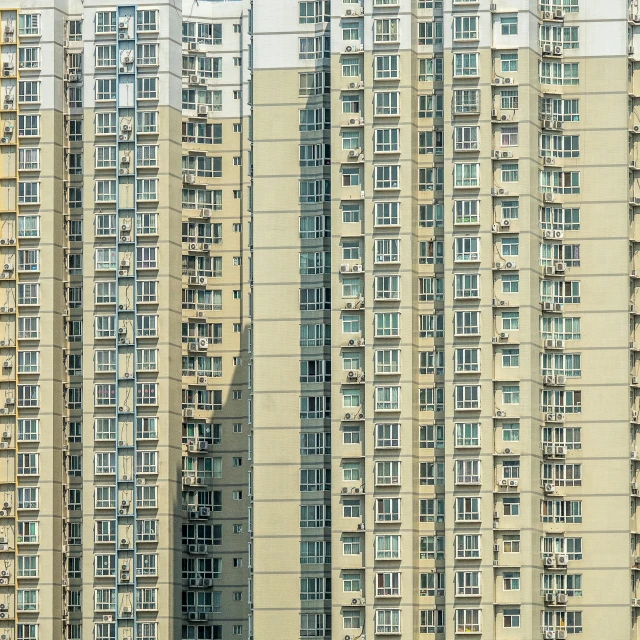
562 560
561 598
561 450
549 561
549 380
504 482
126 127
550 417
360 527
560 267
203 110
513 482
124 542
510 265
549 487
497 80
205 213
501 413
504 335
547 49
557 51
561 380
549 598
126 611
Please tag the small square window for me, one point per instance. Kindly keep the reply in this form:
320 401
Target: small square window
237 395
509 25
237 327
237 427
237 127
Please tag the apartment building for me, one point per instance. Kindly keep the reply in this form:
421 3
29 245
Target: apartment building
392 245
445 400
124 303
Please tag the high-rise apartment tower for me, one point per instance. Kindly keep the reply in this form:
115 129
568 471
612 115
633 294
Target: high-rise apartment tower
319 319
123 321
445 397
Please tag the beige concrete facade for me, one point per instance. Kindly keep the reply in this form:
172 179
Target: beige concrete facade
125 379
446 189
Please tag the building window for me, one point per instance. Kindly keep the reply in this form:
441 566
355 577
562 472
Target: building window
466 65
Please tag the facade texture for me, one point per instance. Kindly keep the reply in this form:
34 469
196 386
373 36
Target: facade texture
318 318
124 321
445 447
